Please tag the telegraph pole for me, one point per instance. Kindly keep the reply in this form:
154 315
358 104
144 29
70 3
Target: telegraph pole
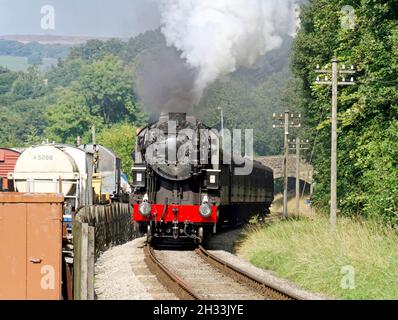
335 83
298 146
286 121
285 164
298 176
333 168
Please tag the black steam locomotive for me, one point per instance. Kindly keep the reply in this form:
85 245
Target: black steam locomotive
185 186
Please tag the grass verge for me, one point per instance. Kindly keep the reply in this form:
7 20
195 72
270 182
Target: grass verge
358 261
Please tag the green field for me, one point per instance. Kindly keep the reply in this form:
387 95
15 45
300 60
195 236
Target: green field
21 63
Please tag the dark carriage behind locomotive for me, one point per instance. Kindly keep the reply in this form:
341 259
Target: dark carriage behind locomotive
189 198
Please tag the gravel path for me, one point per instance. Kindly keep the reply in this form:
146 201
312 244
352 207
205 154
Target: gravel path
121 274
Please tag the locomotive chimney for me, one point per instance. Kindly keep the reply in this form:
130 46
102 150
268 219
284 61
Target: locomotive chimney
178 117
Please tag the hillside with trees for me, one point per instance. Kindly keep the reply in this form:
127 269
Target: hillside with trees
94 85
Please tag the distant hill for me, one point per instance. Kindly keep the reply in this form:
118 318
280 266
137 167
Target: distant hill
50 39
18 55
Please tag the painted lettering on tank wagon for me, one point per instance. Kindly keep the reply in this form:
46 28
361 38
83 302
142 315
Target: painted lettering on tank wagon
43 157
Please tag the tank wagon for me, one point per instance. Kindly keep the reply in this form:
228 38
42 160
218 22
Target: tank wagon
190 195
56 168
8 159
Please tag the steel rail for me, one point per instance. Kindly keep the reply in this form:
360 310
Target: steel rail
269 290
178 285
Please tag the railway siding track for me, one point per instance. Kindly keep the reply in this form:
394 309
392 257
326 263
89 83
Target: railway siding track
199 275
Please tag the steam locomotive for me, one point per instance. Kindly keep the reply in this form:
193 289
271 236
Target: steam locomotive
185 187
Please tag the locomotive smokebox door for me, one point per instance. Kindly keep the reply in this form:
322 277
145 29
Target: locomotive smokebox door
213 179
139 176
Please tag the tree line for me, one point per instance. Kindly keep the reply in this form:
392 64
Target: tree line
34 51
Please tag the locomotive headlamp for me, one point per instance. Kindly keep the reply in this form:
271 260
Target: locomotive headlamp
145 209
213 177
139 176
205 210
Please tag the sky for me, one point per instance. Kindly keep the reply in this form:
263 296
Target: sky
94 18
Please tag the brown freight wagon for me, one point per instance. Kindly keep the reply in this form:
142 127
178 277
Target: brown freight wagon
30 246
8 159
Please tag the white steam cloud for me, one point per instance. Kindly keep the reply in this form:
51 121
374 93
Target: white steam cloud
215 37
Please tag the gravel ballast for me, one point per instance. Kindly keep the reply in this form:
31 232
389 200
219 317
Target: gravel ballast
121 274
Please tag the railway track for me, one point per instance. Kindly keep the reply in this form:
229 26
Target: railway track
167 277
200 275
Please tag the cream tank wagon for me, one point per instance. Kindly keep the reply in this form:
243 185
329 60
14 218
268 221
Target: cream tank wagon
56 169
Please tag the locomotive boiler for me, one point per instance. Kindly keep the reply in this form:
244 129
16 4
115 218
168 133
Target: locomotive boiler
185 186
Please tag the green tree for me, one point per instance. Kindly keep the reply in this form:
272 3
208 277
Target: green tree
7 79
64 73
29 84
19 117
249 105
91 50
148 40
69 118
108 90
97 49
121 139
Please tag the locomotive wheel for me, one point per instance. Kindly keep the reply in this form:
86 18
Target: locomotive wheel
149 234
